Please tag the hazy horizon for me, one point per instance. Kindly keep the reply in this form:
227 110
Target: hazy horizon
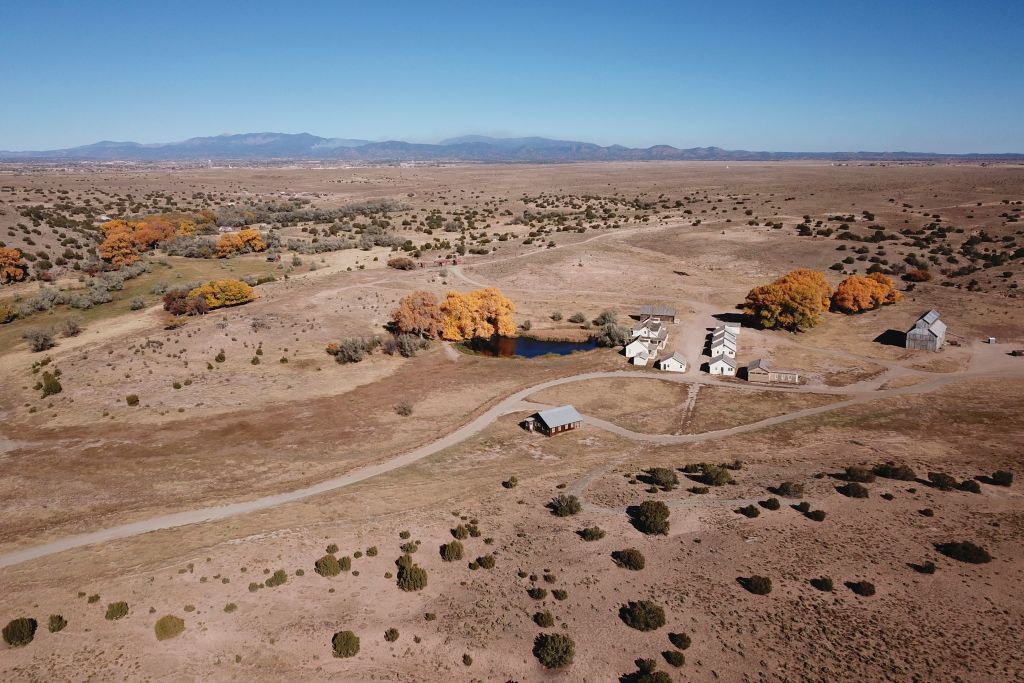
806 77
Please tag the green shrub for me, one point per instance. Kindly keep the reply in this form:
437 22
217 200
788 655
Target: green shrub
430 616
680 640
815 515
20 631
663 478
859 473
485 562
642 615
564 506
411 577
371 551
327 565
57 623
559 594
345 644
50 385
891 470
544 619
391 635
651 517
749 511
970 486
789 489
169 626
537 593
823 583
332 549
630 558
132 399
715 475
699 490
279 577
591 533
38 340
803 507
451 552
510 483
1002 478
758 585
863 588
93 598
116 610
964 551
460 532
942 481
345 563
770 504
230 607
674 657
405 535
467 660
853 490
926 512
554 650
253 586
409 547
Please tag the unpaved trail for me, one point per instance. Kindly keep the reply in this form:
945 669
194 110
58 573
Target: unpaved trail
516 402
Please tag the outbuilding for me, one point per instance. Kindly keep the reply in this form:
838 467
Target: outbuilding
554 420
759 372
674 363
665 314
928 333
722 365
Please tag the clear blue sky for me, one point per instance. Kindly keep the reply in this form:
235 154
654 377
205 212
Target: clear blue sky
923 75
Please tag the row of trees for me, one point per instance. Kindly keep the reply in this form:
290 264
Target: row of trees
796 300
125 240
479 313
243 241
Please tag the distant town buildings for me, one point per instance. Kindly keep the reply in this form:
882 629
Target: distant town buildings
928 333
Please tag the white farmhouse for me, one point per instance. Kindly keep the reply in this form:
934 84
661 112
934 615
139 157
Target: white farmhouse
722 365
724 346
674 363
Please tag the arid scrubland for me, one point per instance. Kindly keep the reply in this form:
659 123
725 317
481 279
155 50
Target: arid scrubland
865 524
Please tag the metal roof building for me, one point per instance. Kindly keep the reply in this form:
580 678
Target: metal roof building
554 420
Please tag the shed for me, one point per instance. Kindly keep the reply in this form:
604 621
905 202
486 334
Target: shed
759 372
554 420
928 333
662 313
722 365
674 363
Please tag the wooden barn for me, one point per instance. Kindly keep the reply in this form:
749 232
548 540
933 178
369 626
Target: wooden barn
928 333
665 314
553 421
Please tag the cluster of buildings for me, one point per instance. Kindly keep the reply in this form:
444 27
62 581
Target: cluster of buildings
722 344
650 336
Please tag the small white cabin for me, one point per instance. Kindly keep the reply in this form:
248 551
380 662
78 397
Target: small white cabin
722 365
673 363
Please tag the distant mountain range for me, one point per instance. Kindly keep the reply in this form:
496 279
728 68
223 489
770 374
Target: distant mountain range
477 148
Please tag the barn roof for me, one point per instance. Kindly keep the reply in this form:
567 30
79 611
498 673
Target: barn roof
560 416
675 356
759 364
930 317
657 310
723 359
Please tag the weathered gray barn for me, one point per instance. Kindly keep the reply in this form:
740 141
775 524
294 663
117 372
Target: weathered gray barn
665 314
553 420
928 333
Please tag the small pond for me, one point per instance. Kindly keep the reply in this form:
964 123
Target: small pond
526 347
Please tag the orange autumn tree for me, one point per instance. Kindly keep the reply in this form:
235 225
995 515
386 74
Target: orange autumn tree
795 301
859 293
479 313
118 248
12 268
419 313
248 240
220 293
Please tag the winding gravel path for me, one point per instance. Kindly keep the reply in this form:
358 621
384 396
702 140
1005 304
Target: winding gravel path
513 403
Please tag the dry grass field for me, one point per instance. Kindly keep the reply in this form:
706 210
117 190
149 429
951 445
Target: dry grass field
200 466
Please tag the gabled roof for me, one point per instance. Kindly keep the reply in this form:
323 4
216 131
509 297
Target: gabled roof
724 341
930 317
676 356
722 358
719 333
938 328
759 364
560 416
657 310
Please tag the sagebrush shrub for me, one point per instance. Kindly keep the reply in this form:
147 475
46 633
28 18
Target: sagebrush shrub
891 470
630 558
859 473
651 517
537 593
863 588
411 577
116 610
853 490
559 594
544 619
554 650
970 486
1002 478
749 511
680 640
674 657
663 478
789 489
642 615
327 565
591 533
815 515
771 504
20 631
345 644
279 577
823 583
169 626
942 481
485 562
391 635
57 623
451 552
564 506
